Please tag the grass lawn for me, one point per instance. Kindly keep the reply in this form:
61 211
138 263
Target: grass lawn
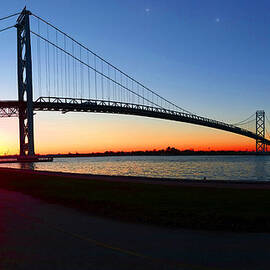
174 206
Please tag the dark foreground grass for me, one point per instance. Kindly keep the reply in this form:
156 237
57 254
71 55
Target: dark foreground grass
174 206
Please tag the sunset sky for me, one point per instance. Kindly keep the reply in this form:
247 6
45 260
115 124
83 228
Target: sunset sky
209 57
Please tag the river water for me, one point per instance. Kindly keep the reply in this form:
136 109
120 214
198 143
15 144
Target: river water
181 167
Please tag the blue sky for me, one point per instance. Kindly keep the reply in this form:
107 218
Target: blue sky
210 57
205 55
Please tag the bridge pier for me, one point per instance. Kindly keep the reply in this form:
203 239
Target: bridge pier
260 131
25 88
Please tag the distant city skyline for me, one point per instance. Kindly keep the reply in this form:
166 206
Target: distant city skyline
208 57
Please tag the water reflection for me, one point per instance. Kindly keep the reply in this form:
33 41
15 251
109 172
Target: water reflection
183 167
261 167
27 165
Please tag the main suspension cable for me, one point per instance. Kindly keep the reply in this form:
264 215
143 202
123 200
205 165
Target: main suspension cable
243 121
78 43
4 29
95 70
267 119
9 16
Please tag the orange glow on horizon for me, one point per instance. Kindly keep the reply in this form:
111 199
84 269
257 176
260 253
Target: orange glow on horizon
88 133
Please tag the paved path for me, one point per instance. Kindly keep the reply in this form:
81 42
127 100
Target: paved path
38 235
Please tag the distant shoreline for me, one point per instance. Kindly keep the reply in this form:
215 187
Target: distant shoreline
167 152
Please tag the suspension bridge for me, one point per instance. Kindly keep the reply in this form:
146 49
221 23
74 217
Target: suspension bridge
57 73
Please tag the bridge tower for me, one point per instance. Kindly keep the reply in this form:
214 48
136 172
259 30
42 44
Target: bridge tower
260 130
25 88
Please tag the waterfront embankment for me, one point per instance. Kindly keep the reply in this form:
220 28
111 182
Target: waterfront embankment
210 205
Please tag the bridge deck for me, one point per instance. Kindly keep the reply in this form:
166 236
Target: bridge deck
10 108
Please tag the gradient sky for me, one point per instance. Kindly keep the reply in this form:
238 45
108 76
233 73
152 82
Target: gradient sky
210 57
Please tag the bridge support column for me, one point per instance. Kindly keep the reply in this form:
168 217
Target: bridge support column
260 130
25 88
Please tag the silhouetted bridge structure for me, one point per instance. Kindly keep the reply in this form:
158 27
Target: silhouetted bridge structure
73 72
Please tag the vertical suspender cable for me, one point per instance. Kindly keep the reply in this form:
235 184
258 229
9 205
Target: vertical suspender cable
82 78
54 71
69 79
88 77
73 70
127 92
49 68
95 60
57 64
138 91
108 83
143 94
121 88
114 86
167 103
46 67
39 61
65 48
76 81
61 74
132 96
102 80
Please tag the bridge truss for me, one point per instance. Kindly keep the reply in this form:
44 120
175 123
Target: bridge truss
9 112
